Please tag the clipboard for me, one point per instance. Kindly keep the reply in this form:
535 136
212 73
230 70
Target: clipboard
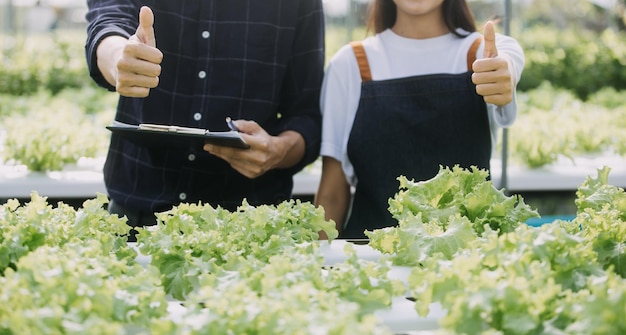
149 134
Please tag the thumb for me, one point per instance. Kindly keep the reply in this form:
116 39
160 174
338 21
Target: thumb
248 126
145 31
489 36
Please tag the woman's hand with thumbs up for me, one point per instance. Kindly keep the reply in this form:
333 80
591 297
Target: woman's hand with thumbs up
492 76
132 65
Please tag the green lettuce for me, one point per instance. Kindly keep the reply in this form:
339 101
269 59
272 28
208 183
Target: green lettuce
290 293
79 289
467 192
194 238
26 227
515 283
442 215
601 219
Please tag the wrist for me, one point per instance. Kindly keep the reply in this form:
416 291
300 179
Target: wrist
289 147
108 53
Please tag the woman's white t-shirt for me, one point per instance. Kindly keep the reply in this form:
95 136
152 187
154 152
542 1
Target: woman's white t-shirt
391 56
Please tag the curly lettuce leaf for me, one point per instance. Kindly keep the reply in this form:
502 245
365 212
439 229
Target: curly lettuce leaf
442 215
606 232
601 219
515 283
413 241
79 289
288 294
600 308
24 228
191 239
596 193
460 191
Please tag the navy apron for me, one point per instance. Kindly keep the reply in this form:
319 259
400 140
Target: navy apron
410 126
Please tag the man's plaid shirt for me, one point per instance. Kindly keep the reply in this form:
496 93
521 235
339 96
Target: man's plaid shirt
259 60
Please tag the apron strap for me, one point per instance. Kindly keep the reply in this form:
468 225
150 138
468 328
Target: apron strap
361 59
471 53
364 67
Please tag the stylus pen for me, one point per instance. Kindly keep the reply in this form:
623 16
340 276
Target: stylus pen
231 124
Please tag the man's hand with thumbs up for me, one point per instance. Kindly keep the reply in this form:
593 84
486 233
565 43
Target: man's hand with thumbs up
132 65
492 75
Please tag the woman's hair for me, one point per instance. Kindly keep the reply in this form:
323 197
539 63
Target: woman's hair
456 14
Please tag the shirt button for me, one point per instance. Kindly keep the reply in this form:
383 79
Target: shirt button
205 34
197 116
191 157
201 74
182 196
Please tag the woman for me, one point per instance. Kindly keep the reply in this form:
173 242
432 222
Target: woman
426 90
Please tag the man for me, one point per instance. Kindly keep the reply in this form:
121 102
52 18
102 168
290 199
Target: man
194 63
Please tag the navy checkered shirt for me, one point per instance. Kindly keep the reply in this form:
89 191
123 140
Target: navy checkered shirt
259 60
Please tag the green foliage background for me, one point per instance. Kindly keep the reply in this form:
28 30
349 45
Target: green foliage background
572 49
49 62
51 112
578 60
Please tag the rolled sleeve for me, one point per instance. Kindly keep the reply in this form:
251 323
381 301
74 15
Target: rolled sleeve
106 18
92 59
300 108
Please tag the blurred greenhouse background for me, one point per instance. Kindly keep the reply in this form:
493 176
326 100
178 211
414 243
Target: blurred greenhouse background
571 94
